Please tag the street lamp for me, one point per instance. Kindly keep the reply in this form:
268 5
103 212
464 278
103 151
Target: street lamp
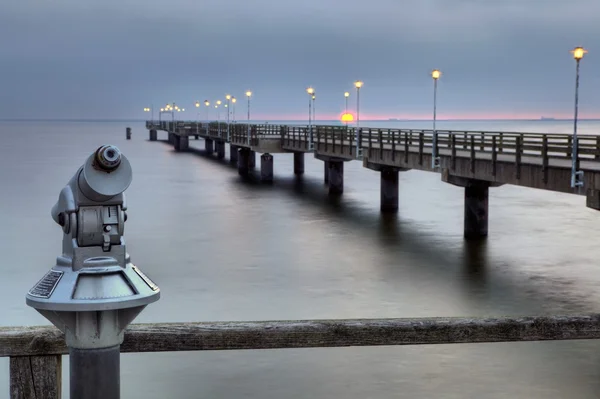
207 104
151 110
233 100
248 94
576 175
218 117
228 98
435 159
311 100
346 95
358 84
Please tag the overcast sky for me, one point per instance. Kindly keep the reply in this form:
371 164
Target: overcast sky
112 58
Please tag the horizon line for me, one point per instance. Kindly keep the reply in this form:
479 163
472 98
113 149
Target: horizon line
295 120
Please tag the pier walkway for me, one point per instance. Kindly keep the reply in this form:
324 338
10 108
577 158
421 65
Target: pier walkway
475 160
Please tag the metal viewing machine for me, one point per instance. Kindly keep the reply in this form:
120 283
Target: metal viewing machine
94 291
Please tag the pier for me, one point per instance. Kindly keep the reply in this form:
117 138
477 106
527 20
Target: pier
474 160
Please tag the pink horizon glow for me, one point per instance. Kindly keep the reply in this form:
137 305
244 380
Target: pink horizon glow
442 116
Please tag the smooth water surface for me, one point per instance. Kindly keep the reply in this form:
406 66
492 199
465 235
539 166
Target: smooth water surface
221 248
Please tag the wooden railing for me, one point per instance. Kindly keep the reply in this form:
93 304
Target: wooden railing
541 145
35 352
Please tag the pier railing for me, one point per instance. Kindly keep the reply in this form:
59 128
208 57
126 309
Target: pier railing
449 142
35 352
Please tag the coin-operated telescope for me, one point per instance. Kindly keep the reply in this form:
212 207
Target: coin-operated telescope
94 291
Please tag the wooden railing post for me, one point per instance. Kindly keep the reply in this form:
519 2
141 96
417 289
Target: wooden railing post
518 144
494 156
38 377
406 147
380 139
370 142
545 159
453 149
393 146
421 144
472 159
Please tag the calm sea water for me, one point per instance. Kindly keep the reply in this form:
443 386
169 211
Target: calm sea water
224 249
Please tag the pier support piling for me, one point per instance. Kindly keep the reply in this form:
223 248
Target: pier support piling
233 154
389 190
251 159
208 146
298 163
326 172
266 168
242 162
476 204
476 210
153 135
172 138
182 143
128 133
336 177
220 149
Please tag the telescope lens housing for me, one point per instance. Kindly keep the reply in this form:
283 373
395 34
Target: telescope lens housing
108 157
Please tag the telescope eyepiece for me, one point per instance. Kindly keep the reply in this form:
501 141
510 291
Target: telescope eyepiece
108 157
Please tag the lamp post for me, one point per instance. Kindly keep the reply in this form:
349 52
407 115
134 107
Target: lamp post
198 117
346 95
218 117
233 101
313 107
576 175
151 110
248 94
435 159
358 84
207 104
311 93
228 98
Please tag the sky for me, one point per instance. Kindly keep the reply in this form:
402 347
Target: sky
111 58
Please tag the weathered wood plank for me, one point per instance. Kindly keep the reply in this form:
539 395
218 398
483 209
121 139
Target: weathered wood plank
27 341
35 377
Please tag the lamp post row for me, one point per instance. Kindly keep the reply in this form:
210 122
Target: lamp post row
576 175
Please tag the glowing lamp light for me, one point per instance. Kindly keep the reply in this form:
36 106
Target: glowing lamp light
206 103
347 117
578 53
358 84
218 102
346 94
436 74
197 104
249 93
310 91
233 100
228 97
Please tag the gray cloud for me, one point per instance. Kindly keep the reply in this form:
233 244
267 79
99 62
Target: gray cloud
112 58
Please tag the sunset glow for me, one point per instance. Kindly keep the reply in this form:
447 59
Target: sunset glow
347 117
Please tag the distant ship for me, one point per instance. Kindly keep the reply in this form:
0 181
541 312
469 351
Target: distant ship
547 118
393 119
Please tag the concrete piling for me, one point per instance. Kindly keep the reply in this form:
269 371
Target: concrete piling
243 155
266 168
476 210
389 190
233 154
336 177
208 146
298 163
